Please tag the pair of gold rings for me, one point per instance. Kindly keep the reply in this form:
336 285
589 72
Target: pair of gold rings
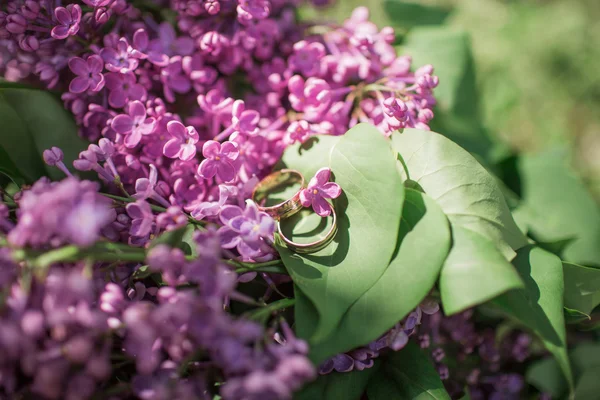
281 179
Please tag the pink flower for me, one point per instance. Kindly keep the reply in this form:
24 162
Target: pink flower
298 131
68 21
123 88
183 143
141 218
306 57
253 9
312 96
134 125
89 74
319 188
244 121
219 160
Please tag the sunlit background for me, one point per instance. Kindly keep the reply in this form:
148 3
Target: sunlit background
536 67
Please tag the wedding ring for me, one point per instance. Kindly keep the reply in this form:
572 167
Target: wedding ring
273 182
313 247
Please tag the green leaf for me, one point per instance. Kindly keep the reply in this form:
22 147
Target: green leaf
407 374
9 169
547 377
582 287
573 316
557 206
540 305
368 219
309 157
424 240
33 121
474 272
457 113
343 386
588 385
465 191
407 14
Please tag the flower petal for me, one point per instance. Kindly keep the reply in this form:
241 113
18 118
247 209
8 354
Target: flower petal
122 124
177 130
188 151
79 85
322 176
229 238
137 109
225 171
331 190
172 148
229 212
321 206
95 64
230 150
211 149
306 197
132 139
208 169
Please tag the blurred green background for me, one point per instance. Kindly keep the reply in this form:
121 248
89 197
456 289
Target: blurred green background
531 84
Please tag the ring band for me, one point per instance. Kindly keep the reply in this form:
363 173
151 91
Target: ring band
307 248
274 181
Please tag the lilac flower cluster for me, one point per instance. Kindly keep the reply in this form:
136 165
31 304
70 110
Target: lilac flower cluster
185 113
487 367
393 340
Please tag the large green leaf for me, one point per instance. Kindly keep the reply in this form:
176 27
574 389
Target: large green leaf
546 374
406 14
310 156
368 219
582 287
467 193
457 113
540 305
407 374
557 206
32 121
474 272
423 244
343 386
547 377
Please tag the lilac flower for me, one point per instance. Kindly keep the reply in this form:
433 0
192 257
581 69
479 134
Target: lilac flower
141 218
69 211
253 9
319 188
244 121
142 50
134 125
247 230
123 88
174 80
396 112
119 58
311 96
89 74
306 57
298 131
168 43
54 157
68 21
218 160
172 219
212 208
145 188
183 142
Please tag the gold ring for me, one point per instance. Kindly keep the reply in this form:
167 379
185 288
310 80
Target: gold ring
313 247
277 180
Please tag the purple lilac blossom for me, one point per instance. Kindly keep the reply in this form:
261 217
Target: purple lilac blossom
319 188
